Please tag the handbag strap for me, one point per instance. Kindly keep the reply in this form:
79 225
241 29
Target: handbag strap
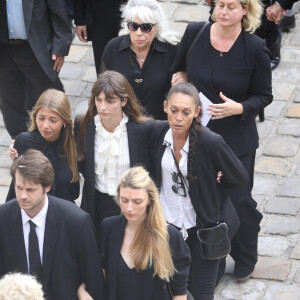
197 37
178 169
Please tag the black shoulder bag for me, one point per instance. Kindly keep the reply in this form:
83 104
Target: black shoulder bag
214 241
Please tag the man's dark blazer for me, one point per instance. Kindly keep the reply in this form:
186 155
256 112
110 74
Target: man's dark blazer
102 19
154 288
48 30
139 153
70 254
212 155
243 75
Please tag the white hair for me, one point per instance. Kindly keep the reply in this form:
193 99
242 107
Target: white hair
148 11
17 286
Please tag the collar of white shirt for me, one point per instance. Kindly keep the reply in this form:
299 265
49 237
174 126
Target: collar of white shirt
39 219
170 143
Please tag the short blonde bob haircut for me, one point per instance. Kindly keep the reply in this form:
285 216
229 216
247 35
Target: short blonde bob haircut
17 286
150 246
252 20
59 103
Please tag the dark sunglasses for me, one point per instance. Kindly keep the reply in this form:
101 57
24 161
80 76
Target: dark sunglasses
178 187
145 27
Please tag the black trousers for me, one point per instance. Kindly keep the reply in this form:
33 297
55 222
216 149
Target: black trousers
22 81
105 206
244 243
203 273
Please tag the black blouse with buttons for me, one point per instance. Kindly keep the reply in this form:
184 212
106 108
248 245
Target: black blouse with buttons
62 186
152 81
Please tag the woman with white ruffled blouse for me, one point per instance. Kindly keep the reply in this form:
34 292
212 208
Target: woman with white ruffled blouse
112 136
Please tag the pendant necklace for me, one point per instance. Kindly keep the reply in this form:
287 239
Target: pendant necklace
141 57
221 53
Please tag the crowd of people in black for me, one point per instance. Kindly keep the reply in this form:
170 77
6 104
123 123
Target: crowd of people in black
166 196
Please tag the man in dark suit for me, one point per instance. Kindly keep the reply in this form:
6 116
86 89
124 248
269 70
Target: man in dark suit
46 236
97 21
35 35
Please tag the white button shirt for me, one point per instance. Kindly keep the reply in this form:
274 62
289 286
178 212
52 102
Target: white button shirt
40 221
178 210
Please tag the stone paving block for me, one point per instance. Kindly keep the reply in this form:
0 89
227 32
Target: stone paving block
289 127
264 129
179 27
273 166
5 161
296 251
89 57
169 9
272 269
297 276
80 108
3 193
282 292
282 91
296 97
88 90
5 138
291 55
248 290
76 54
1 120
191 13
286 73
5 178
70 71
280 225
263 184
259 199
90 75
76 41
283 146
293 111
74 88
291 187
272 246
274 109
295 41
281 205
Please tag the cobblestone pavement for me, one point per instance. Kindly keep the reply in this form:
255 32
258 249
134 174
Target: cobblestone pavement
277 178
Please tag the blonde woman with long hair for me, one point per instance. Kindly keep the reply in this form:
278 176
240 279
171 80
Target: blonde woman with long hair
51 132
143 257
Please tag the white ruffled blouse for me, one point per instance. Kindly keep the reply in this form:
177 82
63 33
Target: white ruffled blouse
111 155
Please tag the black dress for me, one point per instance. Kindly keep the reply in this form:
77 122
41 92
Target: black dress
152 81
62 186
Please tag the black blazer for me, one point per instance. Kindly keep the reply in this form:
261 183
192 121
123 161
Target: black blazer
139 153
70 254
212 155
154 288
244 75
48 30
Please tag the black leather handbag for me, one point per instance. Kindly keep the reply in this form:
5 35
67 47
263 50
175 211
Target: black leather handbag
214 241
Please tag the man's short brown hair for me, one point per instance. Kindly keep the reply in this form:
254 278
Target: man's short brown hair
33 166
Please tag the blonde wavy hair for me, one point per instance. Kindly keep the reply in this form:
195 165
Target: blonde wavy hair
252 20
150 246
17 286
59 103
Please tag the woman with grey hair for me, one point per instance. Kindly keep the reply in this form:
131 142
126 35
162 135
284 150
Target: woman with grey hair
143 53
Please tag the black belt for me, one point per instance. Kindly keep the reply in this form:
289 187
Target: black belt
16 42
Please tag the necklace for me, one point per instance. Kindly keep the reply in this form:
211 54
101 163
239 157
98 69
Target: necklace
221 53
141 57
